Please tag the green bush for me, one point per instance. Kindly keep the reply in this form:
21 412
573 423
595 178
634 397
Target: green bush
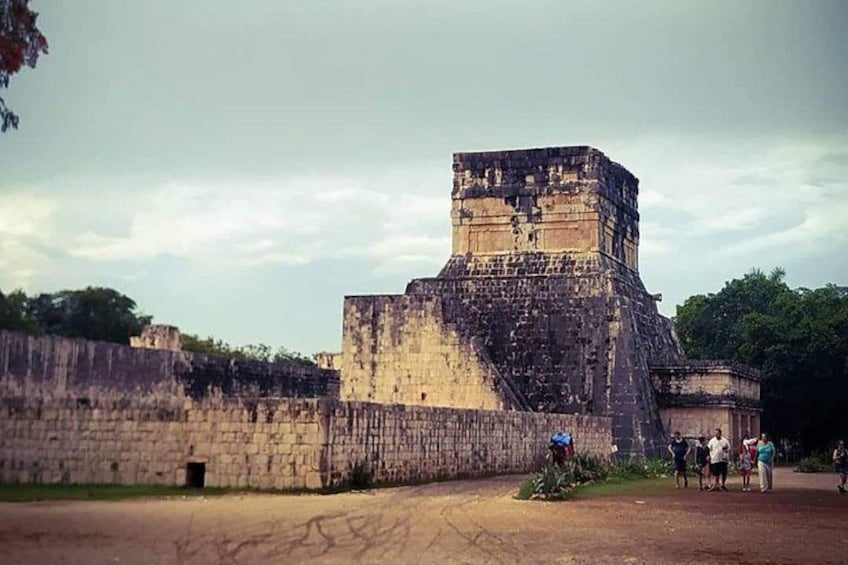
586 468
556 482
553 481
812 464
658 468
627 469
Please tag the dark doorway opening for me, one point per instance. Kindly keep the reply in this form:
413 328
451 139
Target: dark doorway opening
195 475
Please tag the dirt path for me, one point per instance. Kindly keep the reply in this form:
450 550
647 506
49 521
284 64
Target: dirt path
803 521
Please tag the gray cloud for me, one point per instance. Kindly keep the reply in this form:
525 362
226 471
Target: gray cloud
189 150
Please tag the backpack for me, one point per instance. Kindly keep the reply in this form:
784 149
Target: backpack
564 443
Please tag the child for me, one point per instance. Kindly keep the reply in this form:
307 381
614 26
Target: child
745 465
702 459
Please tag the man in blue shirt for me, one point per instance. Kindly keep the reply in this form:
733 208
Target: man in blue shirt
679 449
765 462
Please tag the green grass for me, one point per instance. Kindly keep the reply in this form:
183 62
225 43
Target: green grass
11 492
525 491
624 486
613 486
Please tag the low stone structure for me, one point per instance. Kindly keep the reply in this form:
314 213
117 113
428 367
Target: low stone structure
698 396
77 411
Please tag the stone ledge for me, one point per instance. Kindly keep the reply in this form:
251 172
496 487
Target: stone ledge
703 366
701 400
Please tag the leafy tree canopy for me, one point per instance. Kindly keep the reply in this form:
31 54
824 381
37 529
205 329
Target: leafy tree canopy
105 314
20 45
92 313
797 337
258 352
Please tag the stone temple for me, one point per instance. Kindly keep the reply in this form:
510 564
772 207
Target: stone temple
540 307
538 323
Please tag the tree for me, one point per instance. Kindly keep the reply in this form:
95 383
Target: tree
256 352
21 43
13 315
798 338
711 326
104 314
92 313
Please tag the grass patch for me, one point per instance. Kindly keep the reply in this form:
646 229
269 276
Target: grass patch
623 486
592 476
17 492
525 491
612 486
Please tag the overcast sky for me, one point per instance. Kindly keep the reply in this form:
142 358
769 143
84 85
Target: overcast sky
238 167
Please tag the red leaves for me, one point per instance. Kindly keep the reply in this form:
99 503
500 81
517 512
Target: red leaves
20 40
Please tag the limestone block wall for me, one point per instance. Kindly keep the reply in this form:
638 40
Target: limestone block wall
707 379
51 366
158 336
574 332
271 443
74 411
397 350
549 199
694 421
415 443
256 443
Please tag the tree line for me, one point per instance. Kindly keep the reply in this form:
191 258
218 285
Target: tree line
798 338
104 314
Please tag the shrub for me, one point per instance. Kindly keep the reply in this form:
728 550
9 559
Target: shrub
628 469
658 468
553 481
812 464
556 482
586 468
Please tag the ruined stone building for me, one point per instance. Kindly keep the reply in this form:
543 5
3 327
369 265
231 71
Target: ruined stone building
540 307
538 323
77 411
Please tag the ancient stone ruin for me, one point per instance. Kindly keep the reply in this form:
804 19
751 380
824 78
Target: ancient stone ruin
77 411
540 307
538 323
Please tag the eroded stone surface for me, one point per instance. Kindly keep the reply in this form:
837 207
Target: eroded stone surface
75 411
544 278
696 397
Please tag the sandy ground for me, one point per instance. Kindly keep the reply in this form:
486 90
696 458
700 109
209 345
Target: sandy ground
803 521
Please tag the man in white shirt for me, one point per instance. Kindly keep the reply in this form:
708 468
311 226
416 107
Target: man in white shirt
719 458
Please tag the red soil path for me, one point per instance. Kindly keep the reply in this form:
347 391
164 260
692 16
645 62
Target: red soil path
803 521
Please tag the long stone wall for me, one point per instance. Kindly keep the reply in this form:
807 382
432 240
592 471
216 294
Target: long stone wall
416 443
75 411
263 443
78 368
271 443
